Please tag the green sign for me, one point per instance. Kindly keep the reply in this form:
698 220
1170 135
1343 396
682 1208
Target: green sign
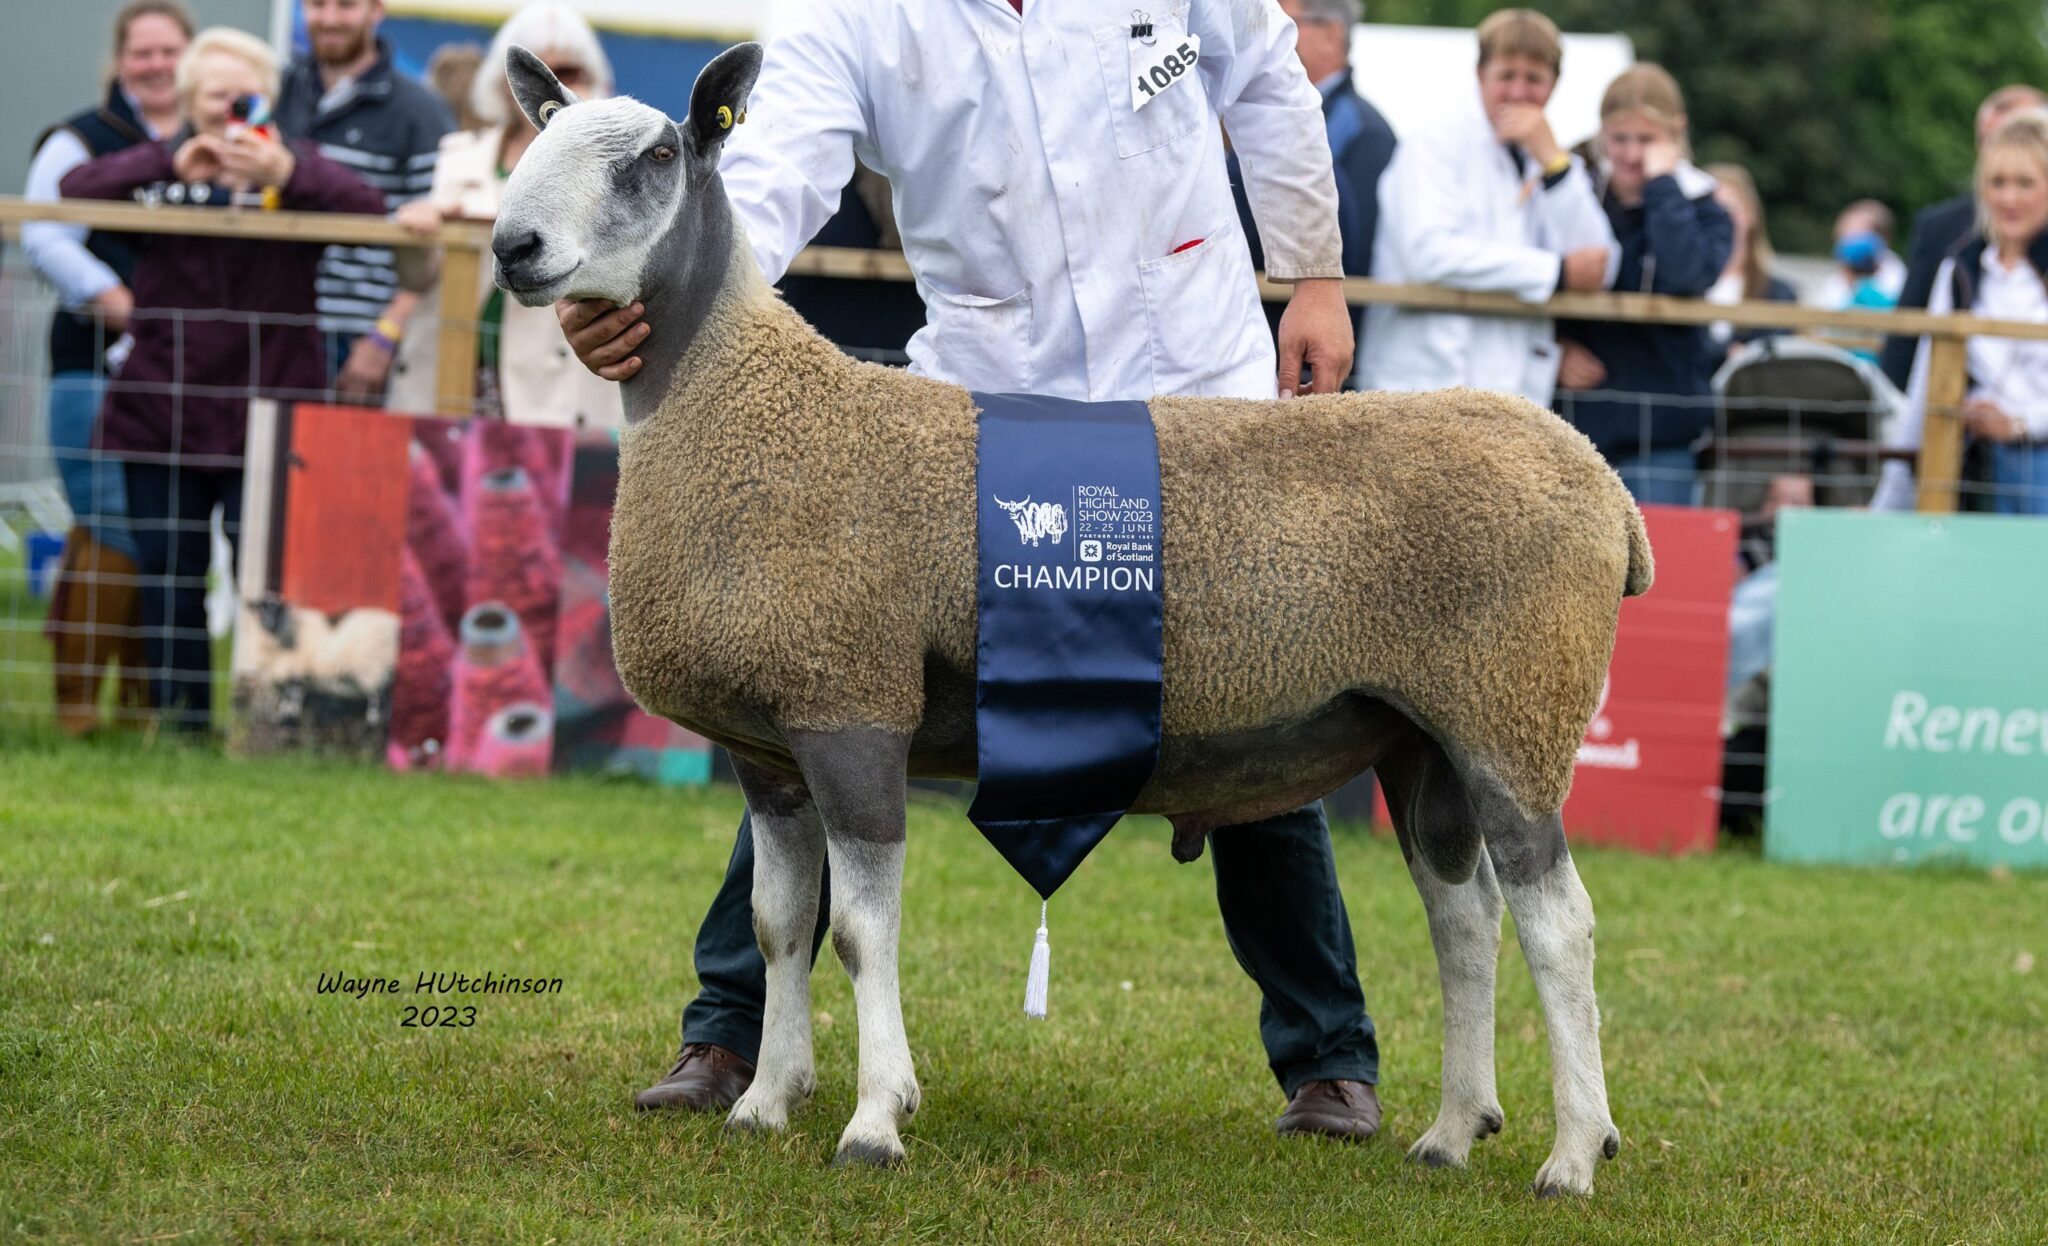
1909 690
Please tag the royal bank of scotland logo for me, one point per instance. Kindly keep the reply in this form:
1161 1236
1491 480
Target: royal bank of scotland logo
1036 520
1091 550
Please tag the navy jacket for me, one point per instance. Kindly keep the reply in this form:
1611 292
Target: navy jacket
75 340
1937 232
1669 245
386 129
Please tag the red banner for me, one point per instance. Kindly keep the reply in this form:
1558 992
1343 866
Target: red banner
1649 772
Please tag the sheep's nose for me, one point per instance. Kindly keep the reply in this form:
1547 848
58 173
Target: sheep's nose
516 249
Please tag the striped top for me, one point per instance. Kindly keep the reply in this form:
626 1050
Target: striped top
384 128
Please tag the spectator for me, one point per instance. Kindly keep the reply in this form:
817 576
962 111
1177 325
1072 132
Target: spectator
347 96
1867 276
94 609
1748 277
1487 200
525 372
217 321
1947 225
2000 273
1638 389
1361 142
451 71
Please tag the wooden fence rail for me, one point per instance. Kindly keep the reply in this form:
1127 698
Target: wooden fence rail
465 247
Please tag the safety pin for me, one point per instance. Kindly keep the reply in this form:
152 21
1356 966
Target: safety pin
1141 27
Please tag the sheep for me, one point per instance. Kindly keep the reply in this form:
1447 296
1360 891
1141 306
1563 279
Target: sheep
1426 584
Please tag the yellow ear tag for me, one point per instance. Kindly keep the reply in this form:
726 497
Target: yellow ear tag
724 117
548 110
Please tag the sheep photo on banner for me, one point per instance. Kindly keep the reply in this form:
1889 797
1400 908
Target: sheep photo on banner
432 592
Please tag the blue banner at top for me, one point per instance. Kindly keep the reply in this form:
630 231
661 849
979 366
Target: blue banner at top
1068 694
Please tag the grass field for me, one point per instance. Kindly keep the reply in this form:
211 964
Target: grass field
1793 1054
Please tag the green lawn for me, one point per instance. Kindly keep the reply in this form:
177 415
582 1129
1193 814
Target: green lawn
1793 1054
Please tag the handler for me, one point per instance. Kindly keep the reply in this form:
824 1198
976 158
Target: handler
1066 212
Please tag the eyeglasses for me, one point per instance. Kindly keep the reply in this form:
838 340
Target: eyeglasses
569 75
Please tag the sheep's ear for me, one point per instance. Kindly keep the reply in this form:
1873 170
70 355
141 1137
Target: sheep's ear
535 88
719 100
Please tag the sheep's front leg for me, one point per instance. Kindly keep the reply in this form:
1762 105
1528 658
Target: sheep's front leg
789 859
858 779
1464 926
1554 918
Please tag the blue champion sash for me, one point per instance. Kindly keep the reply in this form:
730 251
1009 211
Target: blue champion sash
1067 699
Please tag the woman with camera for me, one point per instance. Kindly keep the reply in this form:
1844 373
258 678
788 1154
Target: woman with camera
217 321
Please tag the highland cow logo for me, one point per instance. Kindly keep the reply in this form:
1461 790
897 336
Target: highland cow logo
1036 520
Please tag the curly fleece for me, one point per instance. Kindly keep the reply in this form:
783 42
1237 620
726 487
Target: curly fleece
795 532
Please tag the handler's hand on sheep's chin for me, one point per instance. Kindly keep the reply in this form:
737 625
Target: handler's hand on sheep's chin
1316 330
604 337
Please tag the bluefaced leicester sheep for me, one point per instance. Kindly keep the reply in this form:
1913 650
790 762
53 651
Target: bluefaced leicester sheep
1422 583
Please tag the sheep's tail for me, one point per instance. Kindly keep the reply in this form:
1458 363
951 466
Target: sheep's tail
1642 568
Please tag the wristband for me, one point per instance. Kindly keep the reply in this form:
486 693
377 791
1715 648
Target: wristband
382 341
1558 165
390 330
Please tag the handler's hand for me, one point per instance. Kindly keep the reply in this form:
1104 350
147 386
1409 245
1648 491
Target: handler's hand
604 337
1316 330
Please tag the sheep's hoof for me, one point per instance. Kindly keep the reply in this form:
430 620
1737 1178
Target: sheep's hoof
1434 1157
750 1124
1565 1173
867 1155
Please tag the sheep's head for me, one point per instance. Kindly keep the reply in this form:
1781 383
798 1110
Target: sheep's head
605 180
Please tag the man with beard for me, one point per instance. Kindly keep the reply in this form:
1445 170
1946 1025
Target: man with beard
386 129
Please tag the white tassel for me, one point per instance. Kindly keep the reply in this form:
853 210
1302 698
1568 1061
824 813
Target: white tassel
1035 983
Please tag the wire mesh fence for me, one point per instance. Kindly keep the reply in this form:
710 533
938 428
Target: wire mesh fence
117 578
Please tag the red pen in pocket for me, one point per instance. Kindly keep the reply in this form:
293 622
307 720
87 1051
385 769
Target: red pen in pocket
1187 246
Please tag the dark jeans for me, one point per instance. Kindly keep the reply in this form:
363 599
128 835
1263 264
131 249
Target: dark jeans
169 509
1276 884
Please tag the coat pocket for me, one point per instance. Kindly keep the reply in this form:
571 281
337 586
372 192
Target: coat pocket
1202 315
975 340
1174 115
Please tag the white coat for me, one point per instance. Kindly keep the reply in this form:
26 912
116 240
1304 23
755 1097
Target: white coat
1044 217
1456 211
539 380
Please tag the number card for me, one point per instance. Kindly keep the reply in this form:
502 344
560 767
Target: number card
1155 70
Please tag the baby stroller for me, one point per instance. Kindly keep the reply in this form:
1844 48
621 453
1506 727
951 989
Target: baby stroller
1797 422
1786 405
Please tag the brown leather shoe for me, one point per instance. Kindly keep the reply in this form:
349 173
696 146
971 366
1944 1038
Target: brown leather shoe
1346 1110
707 1078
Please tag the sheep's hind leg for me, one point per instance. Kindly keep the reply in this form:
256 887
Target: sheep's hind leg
1464 925
1427 798
789 860
858 778
1554 919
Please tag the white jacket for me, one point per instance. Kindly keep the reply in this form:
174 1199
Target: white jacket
1456 211
1040 212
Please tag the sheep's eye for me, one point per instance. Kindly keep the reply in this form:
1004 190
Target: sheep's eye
664 152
